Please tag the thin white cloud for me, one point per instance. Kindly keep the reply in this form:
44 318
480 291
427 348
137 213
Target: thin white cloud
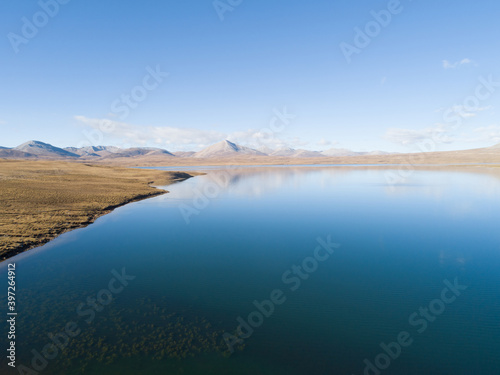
464 111
257 138
265 138
129 135
405 137
296 142
443 133
448 65
490 134
166 136
324 142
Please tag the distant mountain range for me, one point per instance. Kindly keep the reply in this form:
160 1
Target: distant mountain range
44 150
223 149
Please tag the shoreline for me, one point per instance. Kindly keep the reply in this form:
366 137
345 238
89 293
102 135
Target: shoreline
60 231
39 201
141 190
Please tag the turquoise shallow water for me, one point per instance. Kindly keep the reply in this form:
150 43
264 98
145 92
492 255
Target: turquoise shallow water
201 255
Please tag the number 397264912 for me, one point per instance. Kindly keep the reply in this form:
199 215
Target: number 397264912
12 287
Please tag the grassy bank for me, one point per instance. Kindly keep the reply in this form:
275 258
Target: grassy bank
39 200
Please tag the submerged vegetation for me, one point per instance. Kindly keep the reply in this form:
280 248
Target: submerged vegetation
150 331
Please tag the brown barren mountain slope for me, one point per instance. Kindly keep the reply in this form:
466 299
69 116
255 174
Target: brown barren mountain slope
39 200
478 156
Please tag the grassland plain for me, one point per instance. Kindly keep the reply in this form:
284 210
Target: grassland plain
40 200
479 156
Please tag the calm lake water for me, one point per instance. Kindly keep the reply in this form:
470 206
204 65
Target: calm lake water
413 286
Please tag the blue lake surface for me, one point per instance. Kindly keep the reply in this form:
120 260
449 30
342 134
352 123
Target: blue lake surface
352 275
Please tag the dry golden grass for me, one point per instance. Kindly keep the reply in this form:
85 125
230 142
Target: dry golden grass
39 200
477 156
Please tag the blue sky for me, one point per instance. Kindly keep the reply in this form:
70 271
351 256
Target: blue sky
419 77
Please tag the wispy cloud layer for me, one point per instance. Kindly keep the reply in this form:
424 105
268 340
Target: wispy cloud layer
444 134
115 131
409 137
324 142
126 134
465 112
257 138
486 134
449 65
